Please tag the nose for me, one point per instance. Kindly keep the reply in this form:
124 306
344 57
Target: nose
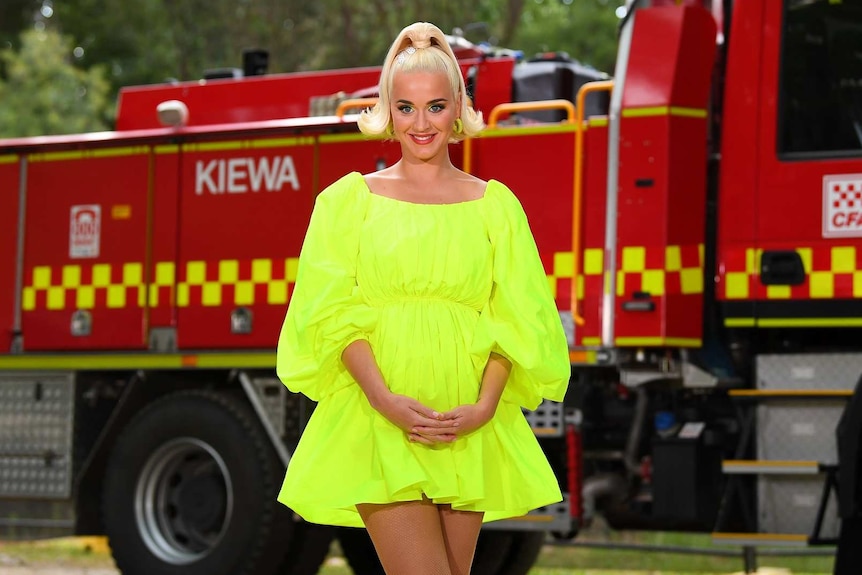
421 122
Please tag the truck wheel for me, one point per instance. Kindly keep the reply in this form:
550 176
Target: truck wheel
359 551
492 549
190 489
523 552
308 549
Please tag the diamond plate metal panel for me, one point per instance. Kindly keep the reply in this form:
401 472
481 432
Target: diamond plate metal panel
547 419
809 371
36 414
800 430
555 517
272 395
788 504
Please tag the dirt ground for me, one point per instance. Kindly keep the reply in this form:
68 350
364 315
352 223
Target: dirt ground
7 570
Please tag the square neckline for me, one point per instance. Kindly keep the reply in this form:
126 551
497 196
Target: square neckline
407 202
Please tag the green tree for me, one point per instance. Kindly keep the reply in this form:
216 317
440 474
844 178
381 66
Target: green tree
44 93
15 16
585 29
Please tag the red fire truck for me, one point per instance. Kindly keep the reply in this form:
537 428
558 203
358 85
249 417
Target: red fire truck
700 222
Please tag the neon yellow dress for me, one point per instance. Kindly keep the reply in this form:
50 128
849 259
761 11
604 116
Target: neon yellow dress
434 289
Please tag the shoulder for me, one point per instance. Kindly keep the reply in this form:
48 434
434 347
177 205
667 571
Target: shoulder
348 190
502 202
469 187
343 199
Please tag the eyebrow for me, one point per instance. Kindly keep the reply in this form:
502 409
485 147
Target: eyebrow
436 101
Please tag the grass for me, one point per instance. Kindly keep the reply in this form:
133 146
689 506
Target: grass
83 552
93 552
576 557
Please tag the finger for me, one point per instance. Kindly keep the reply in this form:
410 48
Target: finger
416 438
433 431
445 438
424 411
434 424
448 438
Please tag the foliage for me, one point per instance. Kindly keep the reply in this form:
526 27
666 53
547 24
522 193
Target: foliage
585 29
44 93
154 41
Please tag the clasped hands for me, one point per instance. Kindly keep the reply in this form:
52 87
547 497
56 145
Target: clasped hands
425 425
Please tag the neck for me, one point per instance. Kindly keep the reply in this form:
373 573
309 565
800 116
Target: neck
418 170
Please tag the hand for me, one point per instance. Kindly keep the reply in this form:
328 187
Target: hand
463 419
469 417
410 415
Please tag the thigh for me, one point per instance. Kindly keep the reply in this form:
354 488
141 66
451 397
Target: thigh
460 532
407 536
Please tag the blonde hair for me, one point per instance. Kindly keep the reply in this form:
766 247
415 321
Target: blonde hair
420 47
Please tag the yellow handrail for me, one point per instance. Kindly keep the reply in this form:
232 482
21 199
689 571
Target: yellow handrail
354 103
577 201
513 107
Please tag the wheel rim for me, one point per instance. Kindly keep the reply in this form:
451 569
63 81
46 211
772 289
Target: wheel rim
183 501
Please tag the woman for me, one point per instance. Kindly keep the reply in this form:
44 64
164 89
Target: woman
421 322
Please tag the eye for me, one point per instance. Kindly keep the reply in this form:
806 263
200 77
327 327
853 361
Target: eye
405 108
437 108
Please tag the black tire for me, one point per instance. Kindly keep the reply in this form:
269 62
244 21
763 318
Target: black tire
190 489
524 550
492 549
359 551
308 549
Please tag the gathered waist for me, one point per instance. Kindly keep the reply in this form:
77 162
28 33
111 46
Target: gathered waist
421 301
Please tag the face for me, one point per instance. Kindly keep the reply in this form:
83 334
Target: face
423 113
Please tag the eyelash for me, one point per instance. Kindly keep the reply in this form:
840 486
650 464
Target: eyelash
435 109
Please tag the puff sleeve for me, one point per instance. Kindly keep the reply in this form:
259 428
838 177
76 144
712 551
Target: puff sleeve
520 320
326 311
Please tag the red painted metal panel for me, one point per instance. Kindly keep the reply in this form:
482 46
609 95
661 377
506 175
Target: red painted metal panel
85 249
661 207
790 203
246 100
595 180
670 60
337 158
9 191
285 95
740 139
245 207
538 168
163 233
493 83
662 176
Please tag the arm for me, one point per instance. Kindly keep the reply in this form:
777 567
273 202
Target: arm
405 412
493 382
470 417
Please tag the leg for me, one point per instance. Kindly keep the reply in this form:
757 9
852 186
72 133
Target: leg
460 532
407 536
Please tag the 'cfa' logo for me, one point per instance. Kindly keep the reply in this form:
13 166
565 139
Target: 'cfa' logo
241 175
842 206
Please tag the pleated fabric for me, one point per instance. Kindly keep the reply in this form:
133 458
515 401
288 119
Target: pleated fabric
434 289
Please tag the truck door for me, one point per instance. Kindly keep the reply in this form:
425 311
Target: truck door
244 207
9 194
85 248
809 200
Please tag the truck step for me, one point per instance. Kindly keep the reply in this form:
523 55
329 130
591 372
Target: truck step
770 467
755 394
761 539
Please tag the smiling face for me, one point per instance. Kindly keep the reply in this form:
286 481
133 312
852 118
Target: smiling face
423 111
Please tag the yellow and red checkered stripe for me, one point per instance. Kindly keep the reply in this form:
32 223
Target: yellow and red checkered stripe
200 283
831 272
676 269
85 287
659 270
